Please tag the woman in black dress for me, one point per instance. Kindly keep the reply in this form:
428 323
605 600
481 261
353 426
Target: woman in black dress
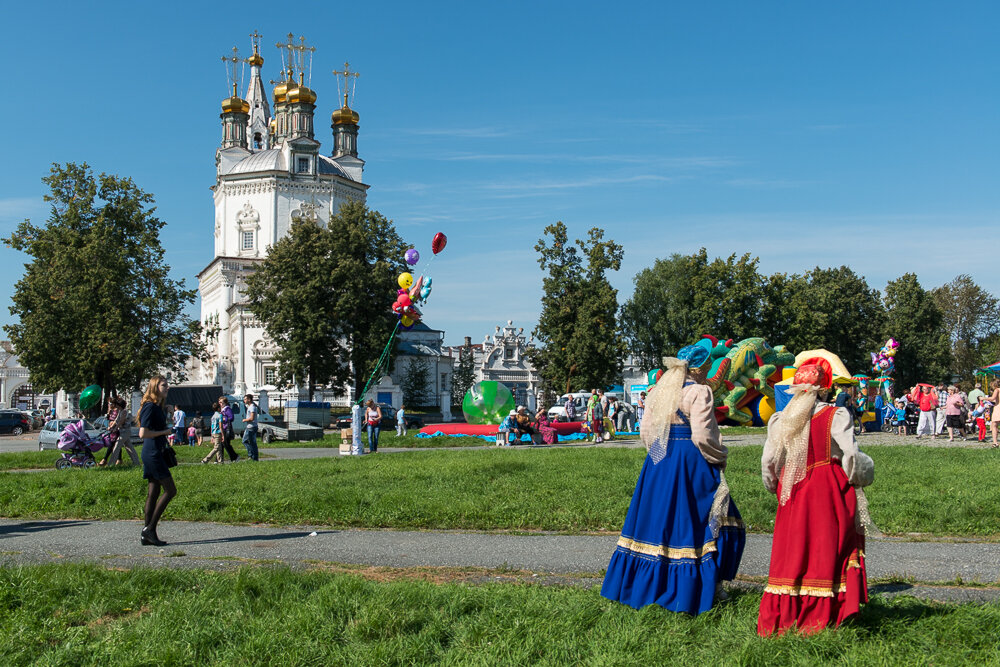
153 430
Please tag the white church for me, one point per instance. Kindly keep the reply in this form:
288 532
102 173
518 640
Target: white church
269 172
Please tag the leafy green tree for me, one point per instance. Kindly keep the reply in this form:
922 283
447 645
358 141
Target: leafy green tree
578 326
290 293
678 300
415 381
95 304
368 256
970 315
833 309
463 376
915 321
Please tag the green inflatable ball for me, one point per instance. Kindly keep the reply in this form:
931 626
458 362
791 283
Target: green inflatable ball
487 402
90 397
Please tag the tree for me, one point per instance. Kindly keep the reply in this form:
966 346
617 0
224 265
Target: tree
464 375
971 316
679 299
415 380
367 255
914 320
96 304
290 293
833 309
578 327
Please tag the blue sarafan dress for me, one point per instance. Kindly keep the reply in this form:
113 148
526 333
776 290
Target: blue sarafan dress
668 553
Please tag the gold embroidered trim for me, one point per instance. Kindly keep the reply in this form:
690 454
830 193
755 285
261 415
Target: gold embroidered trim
731 522
669 553
814 591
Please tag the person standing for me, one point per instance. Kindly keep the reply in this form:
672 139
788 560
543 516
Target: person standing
198 423
154 431
373 424
227 428
595 416
927 402
975 395
683 535
401 421
995 410
640 409
570 407
940 416
180 430
250 427
811 461
953 413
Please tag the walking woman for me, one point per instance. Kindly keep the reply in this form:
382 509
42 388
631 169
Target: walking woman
682 535
123 424
373 421
811 460
153 430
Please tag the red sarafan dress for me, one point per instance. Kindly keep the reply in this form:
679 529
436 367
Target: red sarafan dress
817 575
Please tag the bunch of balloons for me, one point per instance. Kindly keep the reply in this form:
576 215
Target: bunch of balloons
884 361
411 292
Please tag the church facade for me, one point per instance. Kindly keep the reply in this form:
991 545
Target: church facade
270 171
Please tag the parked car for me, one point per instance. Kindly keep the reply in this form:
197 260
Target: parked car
388 419
49 436
14 421
37 418
101 423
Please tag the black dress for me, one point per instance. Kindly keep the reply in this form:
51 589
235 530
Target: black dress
152 418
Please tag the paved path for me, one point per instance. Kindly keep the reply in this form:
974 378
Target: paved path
218 545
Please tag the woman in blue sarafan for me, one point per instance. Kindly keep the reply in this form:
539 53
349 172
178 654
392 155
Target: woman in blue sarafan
683 535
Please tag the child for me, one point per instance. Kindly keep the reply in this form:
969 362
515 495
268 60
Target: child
217 439
981 414
900 415
508 424
192 436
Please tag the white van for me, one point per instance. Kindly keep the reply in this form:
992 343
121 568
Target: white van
558 411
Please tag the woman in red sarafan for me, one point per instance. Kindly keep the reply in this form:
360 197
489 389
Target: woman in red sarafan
817 574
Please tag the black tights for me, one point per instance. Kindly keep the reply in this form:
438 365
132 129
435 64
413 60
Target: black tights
156 503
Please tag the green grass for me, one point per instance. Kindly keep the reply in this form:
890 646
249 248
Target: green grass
926 490
84 615
409 441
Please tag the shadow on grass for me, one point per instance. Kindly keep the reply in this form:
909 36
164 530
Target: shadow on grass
27 527
255 538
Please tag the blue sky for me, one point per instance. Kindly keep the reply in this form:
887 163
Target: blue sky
805 133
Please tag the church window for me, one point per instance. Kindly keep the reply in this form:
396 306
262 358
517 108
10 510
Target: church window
247 241
302 166
257 141
508 353
270 375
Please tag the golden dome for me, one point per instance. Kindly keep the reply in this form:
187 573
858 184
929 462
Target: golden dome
255 60
235 104
344 116
279 92
300 94
273 126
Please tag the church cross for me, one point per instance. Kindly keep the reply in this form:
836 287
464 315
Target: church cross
289 46
230 63
347 74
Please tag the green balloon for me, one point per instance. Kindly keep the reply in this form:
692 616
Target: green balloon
487 402
90 397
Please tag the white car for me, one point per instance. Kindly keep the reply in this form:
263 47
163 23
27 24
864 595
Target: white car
49 436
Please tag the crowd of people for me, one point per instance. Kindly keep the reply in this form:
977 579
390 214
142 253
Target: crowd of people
928 412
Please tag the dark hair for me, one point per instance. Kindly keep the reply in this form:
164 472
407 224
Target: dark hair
250 396
215 406
197 414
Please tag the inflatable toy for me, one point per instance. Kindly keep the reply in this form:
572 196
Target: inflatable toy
90 397
487 402
412 256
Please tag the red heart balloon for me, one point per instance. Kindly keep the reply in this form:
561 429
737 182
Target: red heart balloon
439 242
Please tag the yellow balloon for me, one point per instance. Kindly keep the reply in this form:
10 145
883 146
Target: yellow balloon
405 280
406 321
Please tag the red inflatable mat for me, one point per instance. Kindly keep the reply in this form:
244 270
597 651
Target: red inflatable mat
562 428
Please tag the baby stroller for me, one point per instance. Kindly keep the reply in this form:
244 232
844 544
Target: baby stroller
78 448
912 418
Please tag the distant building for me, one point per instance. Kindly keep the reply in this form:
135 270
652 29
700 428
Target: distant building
419 343
503 356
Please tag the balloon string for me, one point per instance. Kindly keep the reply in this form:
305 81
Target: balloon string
385 353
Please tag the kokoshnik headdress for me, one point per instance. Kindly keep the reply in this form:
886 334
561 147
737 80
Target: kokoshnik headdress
664 399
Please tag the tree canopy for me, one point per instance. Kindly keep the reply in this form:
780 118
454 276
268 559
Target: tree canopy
325 293
96 304
581 341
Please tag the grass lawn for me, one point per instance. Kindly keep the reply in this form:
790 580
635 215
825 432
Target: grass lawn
48 458
925 490
84 615
410 440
